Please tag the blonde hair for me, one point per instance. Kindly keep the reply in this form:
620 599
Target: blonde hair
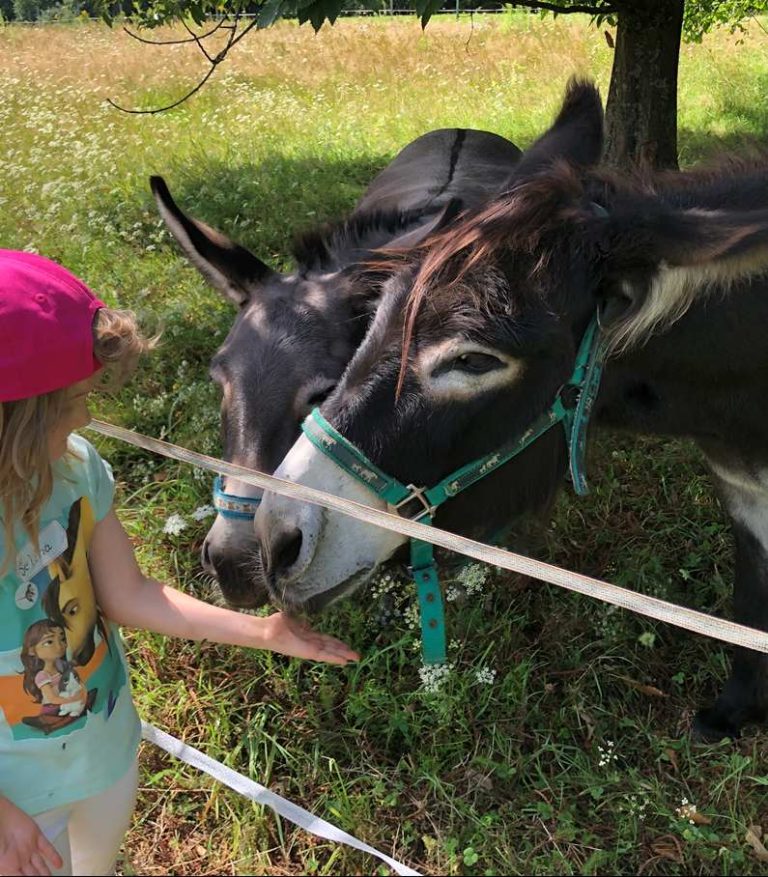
26 470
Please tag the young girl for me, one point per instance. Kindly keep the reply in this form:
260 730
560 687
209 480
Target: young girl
68 577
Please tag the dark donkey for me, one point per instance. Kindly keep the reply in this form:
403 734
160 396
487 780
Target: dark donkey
477 334
294 334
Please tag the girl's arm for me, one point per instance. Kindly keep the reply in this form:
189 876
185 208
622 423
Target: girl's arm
131 599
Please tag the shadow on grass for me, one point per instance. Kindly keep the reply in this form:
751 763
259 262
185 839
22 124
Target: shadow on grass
265 205
746 119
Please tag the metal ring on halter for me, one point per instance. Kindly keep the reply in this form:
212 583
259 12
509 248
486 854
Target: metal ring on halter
228 505
416 493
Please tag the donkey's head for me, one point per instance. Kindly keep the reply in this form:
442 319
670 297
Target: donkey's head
481 361
291 339
294 334
477 334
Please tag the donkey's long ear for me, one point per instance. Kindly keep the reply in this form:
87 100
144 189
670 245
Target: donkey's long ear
576 135
668 260
227 266
732 243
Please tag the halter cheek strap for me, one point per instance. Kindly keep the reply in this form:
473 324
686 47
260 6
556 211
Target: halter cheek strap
229 505
572 406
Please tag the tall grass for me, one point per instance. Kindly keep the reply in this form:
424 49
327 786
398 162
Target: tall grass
557 743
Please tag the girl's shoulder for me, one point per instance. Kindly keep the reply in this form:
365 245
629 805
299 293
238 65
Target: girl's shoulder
85 470
80 449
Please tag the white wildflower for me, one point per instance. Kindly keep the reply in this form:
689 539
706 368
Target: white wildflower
384 584
687 810
174 525
636 807
607 755
433 676
485 675
411 616
474 577
203 512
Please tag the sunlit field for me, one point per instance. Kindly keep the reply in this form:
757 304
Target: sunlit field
555 742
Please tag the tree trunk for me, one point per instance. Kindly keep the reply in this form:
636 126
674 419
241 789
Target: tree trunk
641 115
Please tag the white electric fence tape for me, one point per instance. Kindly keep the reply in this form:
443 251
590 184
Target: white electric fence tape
652 607
261 795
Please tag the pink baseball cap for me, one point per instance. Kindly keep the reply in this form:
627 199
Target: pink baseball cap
46 319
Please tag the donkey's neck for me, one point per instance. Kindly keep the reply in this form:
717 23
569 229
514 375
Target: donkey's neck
704 377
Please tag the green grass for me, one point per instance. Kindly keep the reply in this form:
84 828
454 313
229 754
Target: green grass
574 758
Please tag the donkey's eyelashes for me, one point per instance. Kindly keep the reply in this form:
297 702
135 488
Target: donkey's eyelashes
314 395
317 398
473 363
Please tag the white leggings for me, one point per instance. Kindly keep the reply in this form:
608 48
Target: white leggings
88 834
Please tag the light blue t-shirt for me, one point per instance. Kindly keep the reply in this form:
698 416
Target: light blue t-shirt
68 727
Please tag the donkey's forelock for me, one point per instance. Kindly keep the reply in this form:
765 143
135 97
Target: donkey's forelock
528 220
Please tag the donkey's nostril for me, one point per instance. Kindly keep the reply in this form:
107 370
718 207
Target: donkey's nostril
284 550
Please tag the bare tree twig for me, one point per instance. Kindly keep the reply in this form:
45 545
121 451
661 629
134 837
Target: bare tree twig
232 40
173 42
198 41
170 106
243 32
759 24
565 10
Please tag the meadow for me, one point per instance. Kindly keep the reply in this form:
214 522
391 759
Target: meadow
556 742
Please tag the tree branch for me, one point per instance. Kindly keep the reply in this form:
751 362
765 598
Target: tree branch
565 10
199 41
170 106
244 31
173 42
232 40
759 24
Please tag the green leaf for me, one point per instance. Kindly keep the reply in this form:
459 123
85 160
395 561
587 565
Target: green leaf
426 9
470 857
269 13
318 12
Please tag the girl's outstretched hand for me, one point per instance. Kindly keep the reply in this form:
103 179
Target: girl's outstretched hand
293 637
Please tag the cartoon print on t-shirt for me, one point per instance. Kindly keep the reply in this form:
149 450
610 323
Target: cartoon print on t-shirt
69 598
51 680
69 662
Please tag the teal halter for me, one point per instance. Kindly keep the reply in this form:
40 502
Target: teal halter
229 505
573 406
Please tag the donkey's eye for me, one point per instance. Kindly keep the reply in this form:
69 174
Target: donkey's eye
317 398
476 363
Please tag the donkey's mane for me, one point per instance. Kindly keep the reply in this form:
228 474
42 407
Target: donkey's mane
327 244
524 216
530 217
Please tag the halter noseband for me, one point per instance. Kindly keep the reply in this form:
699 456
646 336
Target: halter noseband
573 406
229 505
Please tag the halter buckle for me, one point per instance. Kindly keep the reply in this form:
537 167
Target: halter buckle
416 493
569 395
